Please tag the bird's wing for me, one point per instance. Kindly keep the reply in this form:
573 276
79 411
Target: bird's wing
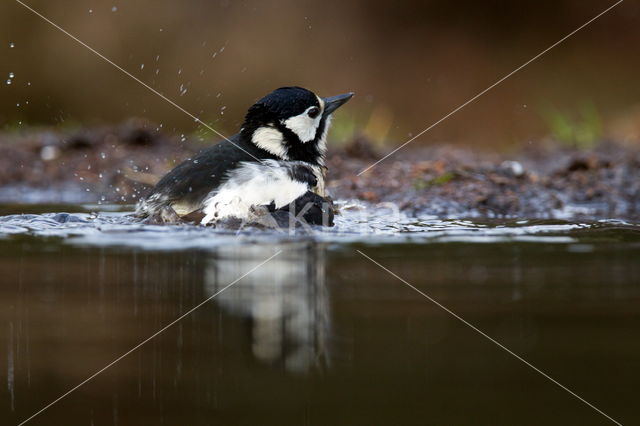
187 185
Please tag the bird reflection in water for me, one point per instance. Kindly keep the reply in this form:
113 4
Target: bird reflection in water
286 301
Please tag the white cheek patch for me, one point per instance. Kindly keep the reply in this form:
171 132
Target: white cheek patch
252 184
303 126
271 140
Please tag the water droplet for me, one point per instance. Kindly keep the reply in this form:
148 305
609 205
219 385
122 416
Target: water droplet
114 9
12 45
11 75
103 155
9 81
49 153
90 10
141 66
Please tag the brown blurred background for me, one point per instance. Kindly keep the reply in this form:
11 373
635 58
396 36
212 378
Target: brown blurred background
410 63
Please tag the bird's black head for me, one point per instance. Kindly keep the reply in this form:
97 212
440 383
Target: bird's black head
292 123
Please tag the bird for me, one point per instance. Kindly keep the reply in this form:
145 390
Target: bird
276 162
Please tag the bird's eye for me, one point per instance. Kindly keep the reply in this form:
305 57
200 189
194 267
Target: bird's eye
313 112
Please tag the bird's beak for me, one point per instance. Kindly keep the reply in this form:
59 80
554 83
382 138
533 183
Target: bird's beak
332 103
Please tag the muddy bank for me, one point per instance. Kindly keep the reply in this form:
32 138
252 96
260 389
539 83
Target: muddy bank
119 163
542 181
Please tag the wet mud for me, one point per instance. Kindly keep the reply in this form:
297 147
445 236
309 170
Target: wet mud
118 164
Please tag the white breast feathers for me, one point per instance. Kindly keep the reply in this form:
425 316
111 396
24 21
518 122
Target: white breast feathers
254 184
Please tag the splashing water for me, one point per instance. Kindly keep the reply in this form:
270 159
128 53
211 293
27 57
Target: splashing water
352 226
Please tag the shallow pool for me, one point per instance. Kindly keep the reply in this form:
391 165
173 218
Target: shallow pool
273 328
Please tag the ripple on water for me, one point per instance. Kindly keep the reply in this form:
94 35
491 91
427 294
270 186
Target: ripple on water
353 225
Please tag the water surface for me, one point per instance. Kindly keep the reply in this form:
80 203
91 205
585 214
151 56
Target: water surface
318 335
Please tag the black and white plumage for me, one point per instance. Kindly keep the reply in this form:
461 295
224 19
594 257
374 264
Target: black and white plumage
276 159
267 183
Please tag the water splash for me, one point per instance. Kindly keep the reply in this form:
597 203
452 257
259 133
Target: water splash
112 228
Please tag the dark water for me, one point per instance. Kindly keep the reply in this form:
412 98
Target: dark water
319 335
